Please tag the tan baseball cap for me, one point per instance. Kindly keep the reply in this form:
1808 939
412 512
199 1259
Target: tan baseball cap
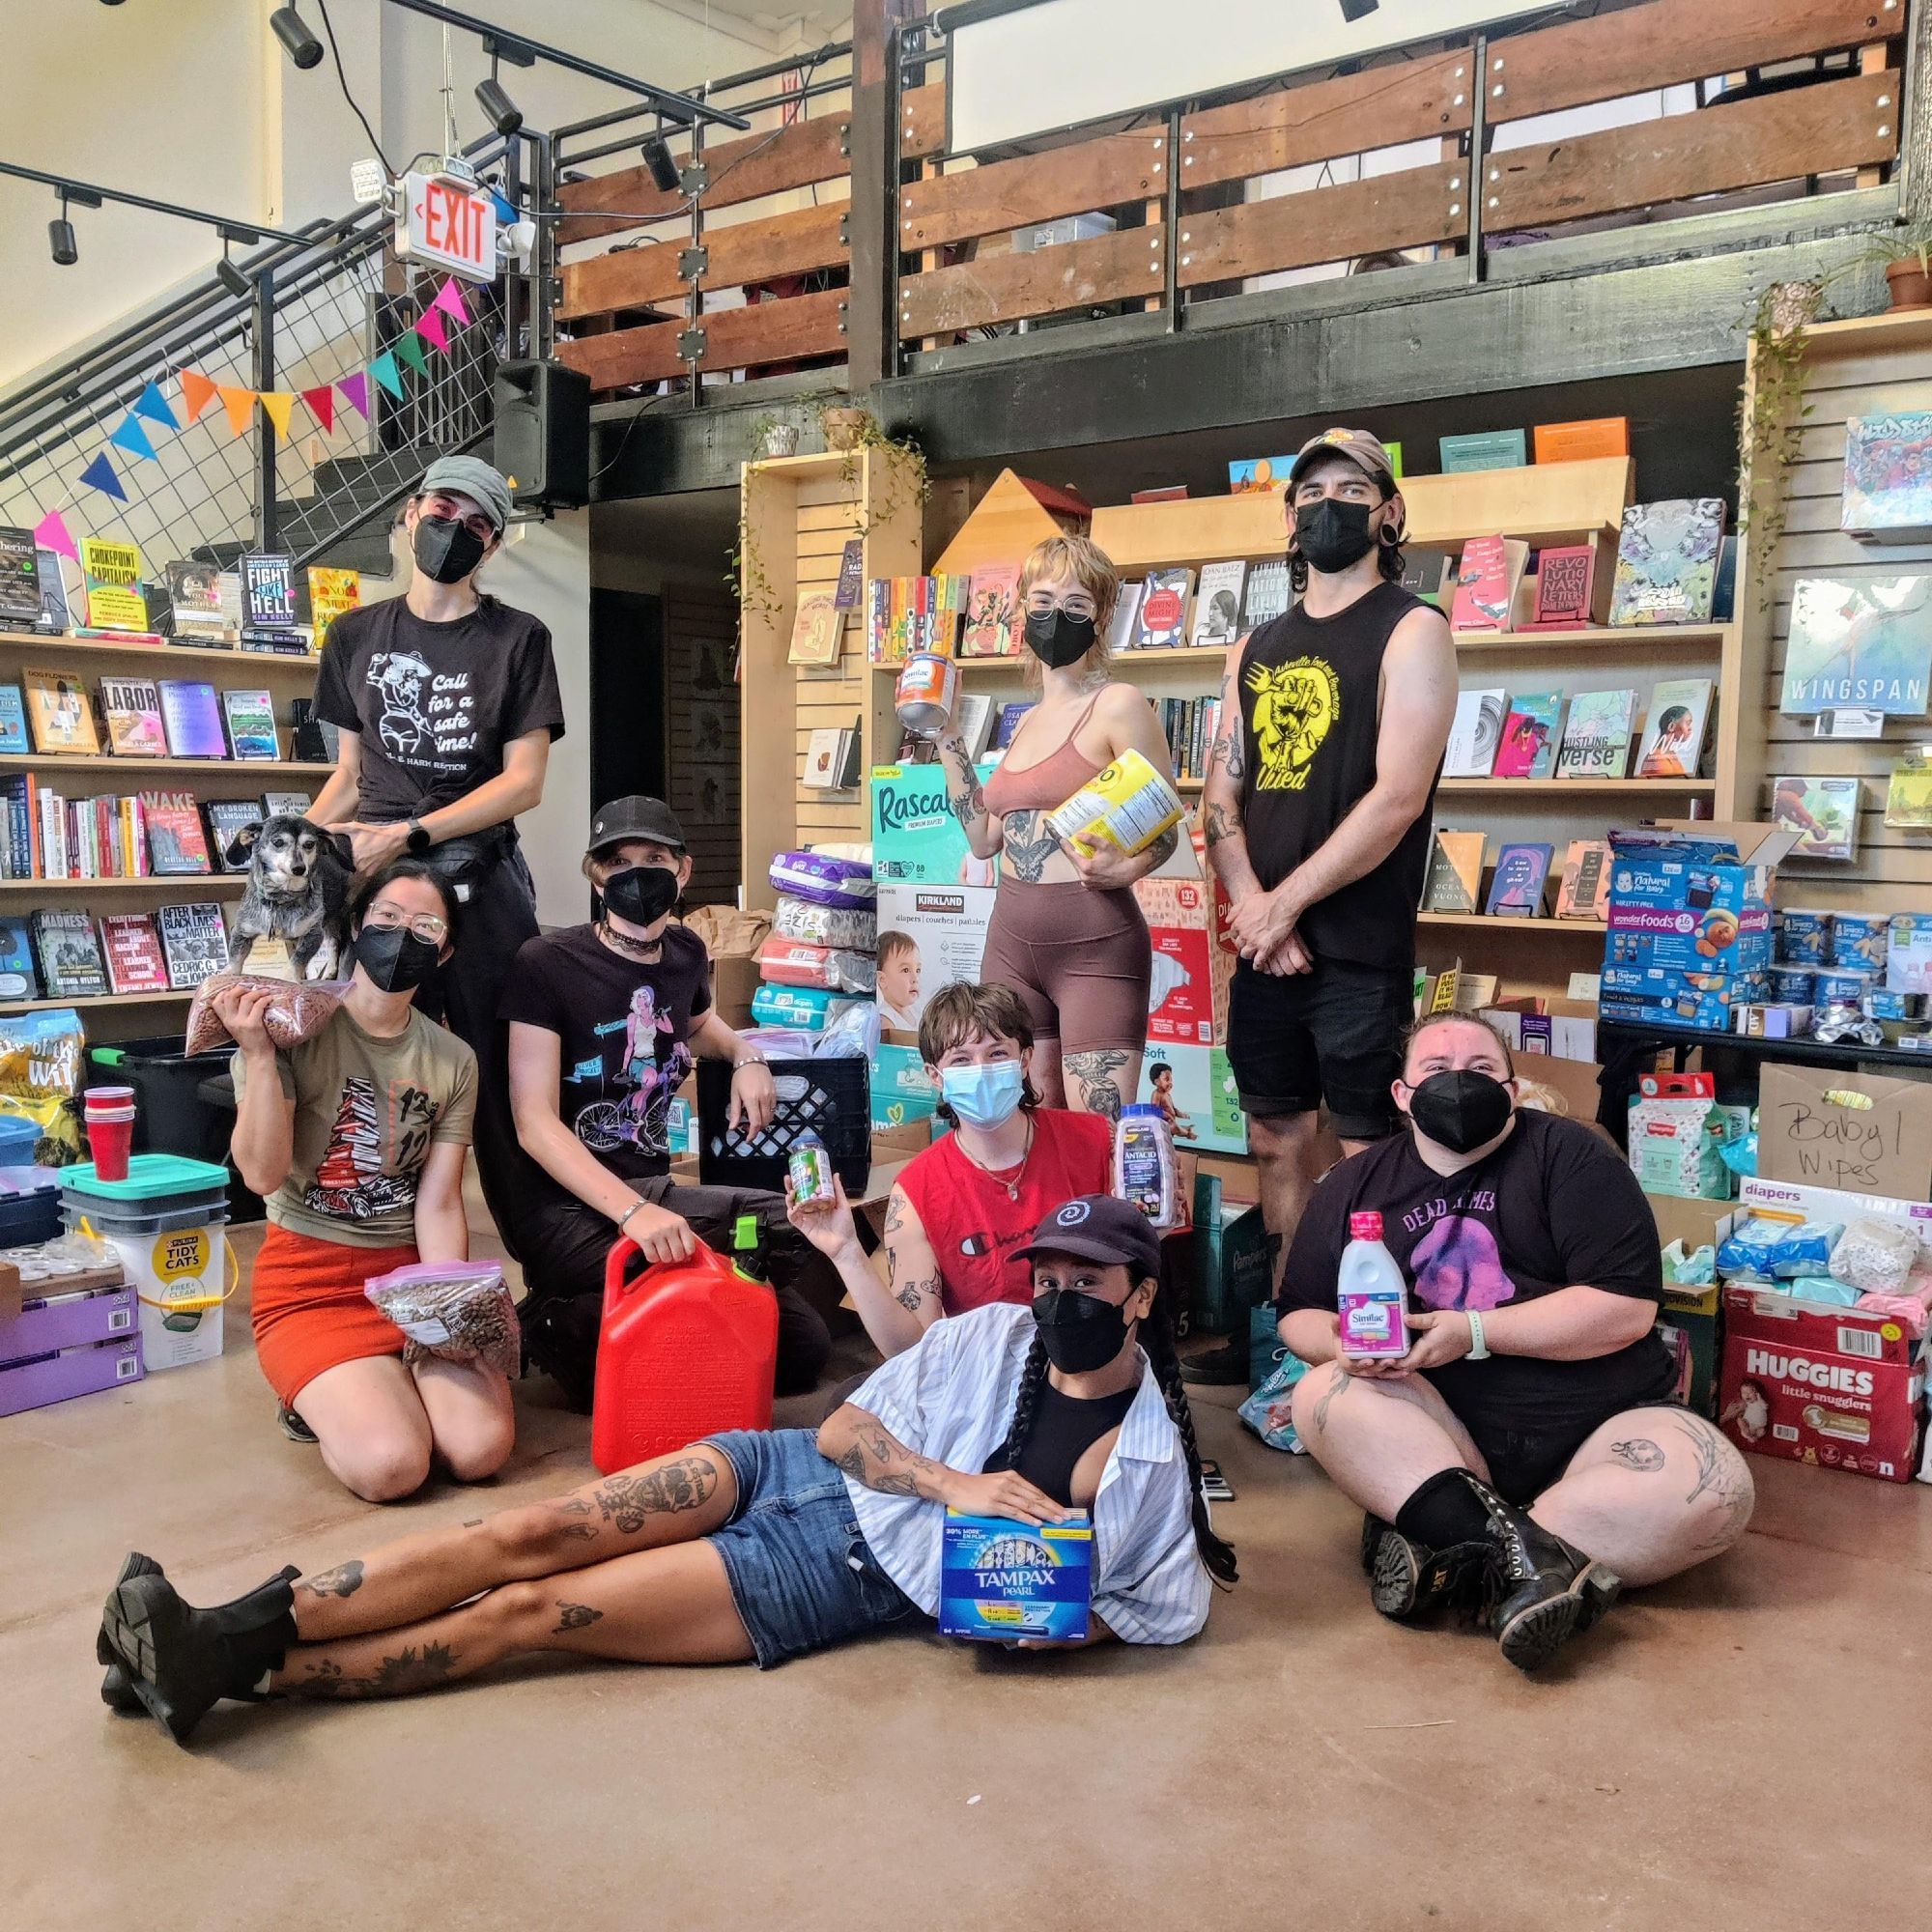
1357 445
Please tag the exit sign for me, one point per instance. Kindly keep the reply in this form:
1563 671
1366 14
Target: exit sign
444 224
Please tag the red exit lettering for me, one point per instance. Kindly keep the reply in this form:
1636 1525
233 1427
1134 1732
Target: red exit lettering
453 222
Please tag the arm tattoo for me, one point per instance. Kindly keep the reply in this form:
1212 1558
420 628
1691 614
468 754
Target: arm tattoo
1028 846
344 1580
1095 1071
965 794
1337 1383
684 1485
911 1294
1638 1454
895 1210
573 1618
1162 847
398 1676
1221 824
882 1463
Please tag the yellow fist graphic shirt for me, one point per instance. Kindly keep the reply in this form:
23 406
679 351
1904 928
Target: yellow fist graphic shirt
1291 710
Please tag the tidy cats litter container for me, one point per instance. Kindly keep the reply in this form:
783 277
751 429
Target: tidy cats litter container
167 1222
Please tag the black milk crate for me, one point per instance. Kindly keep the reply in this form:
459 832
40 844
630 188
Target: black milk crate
832 1097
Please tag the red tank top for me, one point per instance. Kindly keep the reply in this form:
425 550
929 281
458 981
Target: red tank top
1048 783
974 1225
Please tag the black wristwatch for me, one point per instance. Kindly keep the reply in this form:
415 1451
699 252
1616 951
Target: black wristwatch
418 840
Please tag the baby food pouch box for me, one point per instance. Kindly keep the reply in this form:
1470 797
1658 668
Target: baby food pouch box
1004 1580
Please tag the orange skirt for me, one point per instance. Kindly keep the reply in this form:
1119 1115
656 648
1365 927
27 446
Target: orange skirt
310 1312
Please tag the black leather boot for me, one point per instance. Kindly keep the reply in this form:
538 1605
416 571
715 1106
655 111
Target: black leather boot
117 1688
1409 1583
1542 1591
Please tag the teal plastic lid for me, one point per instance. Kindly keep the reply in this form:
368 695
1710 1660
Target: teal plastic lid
148 1175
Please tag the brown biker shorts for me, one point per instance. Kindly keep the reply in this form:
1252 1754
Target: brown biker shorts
1080 958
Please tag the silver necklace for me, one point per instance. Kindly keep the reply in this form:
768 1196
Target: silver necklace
1012 1186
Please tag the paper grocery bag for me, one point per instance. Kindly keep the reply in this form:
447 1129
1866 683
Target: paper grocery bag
728 933
1863 1132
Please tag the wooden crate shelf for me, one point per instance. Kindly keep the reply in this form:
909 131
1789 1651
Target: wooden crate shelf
1609 637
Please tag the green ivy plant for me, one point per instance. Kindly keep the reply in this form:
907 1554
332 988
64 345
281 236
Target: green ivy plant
1772 409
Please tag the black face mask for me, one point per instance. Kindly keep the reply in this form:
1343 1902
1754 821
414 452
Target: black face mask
394 958
1332 534
1460 1109
640 895
1081 1331
446 551
1058 640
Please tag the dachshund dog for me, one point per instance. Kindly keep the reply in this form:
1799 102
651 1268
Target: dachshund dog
299 880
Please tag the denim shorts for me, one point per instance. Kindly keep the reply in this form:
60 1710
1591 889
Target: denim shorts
802 1574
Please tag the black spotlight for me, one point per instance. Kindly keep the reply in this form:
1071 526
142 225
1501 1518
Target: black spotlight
498 109
664 170
292 30
61 245
231 277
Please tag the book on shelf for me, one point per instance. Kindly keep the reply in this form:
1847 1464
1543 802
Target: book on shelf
850 590
1864 643
177 843
12 720
1126 616
1570 593
1266 594
130 707
831 758
68 954
59 712
1255 475
1674 733
111 576
817 630
1217 604
1668 562
20 579
195 942
55 614
993 621
1908 793
250 717
195 592
976 724
1597 738
1483 449
226 819
1162 622
268 592
192 715
286 804
312 740
331 594
1724 592
1189 726
1884 496
1584 891
1516 891
1488 581
1428 574
19 978
160 608
1579 441
131 943
905 615
1474 734
1824 813
1453 881
20 849
1011 715
1527 747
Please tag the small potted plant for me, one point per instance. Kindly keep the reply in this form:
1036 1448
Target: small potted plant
844 425
1908 275
772 436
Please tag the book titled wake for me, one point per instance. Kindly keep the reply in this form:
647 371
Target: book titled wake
177 843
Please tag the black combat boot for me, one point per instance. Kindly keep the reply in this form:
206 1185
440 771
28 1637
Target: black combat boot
1409 1583
1542 1591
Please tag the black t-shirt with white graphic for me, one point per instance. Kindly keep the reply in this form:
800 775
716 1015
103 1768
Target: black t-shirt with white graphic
434 704
621 1026
1554 1207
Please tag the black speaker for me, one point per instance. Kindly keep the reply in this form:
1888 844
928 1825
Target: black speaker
543 434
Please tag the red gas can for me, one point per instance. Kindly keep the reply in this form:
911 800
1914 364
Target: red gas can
687 1349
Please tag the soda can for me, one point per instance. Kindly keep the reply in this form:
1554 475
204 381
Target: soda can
810 1170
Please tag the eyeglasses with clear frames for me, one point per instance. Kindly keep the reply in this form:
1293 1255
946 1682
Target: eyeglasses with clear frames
474 522
1075 603
385 917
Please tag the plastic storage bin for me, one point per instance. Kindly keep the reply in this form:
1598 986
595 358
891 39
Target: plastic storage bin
832 1098
184 1103
29 1206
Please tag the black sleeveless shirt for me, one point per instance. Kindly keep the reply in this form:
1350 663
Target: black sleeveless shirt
1310 697
1065 1427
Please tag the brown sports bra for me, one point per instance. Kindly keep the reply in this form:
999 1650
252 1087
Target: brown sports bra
1048 784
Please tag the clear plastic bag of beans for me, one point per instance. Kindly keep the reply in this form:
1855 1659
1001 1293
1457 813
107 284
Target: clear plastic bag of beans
457 1310
299 1011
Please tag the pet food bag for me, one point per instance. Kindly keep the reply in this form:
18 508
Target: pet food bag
796 962
41 1055
298 1011
823 879
846 928
456 1311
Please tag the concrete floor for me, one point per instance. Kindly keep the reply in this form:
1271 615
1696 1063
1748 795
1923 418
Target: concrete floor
1740 1748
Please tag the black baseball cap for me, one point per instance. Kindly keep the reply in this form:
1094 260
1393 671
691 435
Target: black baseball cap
1098 1227
636 817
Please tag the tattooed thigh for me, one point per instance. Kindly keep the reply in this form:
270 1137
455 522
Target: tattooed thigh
1095 1073
631 1500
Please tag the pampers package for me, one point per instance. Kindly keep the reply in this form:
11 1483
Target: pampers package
1691 922
903 1091
1005 1580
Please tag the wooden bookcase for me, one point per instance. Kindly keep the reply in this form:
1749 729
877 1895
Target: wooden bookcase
123 1015
797 514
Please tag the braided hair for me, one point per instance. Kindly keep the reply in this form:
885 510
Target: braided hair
1157 1339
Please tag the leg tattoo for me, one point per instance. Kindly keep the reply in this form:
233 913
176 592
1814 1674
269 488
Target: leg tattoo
1638 1454
1095 1071
573 1618
1337 1383
344 1580
684 1485
409 1671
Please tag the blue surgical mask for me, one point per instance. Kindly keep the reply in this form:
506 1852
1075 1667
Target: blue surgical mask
985 1095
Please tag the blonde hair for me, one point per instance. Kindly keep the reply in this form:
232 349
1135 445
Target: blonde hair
1092 569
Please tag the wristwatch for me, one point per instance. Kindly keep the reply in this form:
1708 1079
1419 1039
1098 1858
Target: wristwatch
418 840
1479 1350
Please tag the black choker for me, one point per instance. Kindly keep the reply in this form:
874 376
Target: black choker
634 948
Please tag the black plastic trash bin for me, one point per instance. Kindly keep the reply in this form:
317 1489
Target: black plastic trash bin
184 1102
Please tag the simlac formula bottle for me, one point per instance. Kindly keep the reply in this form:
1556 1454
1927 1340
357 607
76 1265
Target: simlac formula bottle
1369 1296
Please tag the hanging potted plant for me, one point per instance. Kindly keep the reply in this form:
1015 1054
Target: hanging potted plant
773 436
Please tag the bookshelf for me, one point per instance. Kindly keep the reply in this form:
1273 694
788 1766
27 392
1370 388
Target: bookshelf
20 645
91 1000
1548 928
47 763
207 885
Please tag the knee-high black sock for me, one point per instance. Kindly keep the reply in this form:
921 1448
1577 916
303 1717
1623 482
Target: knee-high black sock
1441 1511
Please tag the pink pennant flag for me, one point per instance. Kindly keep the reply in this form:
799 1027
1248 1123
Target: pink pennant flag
53 533
430 327
449 299
355 393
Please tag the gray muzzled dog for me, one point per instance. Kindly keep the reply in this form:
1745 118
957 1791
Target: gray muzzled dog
299 880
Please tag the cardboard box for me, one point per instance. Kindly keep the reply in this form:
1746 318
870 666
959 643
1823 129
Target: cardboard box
733 981
1786 1391
1861 1133
901 1092
1697 1315
917 840
948 923
42 1327
1198 1094
1685 1218
1831 1204
1758 1022
897 1143
83 1371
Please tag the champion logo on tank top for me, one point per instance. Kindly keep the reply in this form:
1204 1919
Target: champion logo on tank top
1291 710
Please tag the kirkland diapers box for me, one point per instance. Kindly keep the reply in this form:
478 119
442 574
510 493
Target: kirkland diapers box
1820 1384
1690 931
946 924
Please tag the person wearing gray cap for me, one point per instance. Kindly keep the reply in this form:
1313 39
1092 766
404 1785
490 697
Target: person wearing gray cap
604 1020
1316 812
448 705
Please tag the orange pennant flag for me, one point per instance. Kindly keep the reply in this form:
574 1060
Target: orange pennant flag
197 392
280 405
240 406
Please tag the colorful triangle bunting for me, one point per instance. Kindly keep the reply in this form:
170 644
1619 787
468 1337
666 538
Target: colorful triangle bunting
383 369
280 405
449 299
53 533
240 406
430 325
197 392
410 350
322 406
355 393
133 439
100 476
153 405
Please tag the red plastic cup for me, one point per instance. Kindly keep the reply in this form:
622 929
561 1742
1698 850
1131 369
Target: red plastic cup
110 1129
